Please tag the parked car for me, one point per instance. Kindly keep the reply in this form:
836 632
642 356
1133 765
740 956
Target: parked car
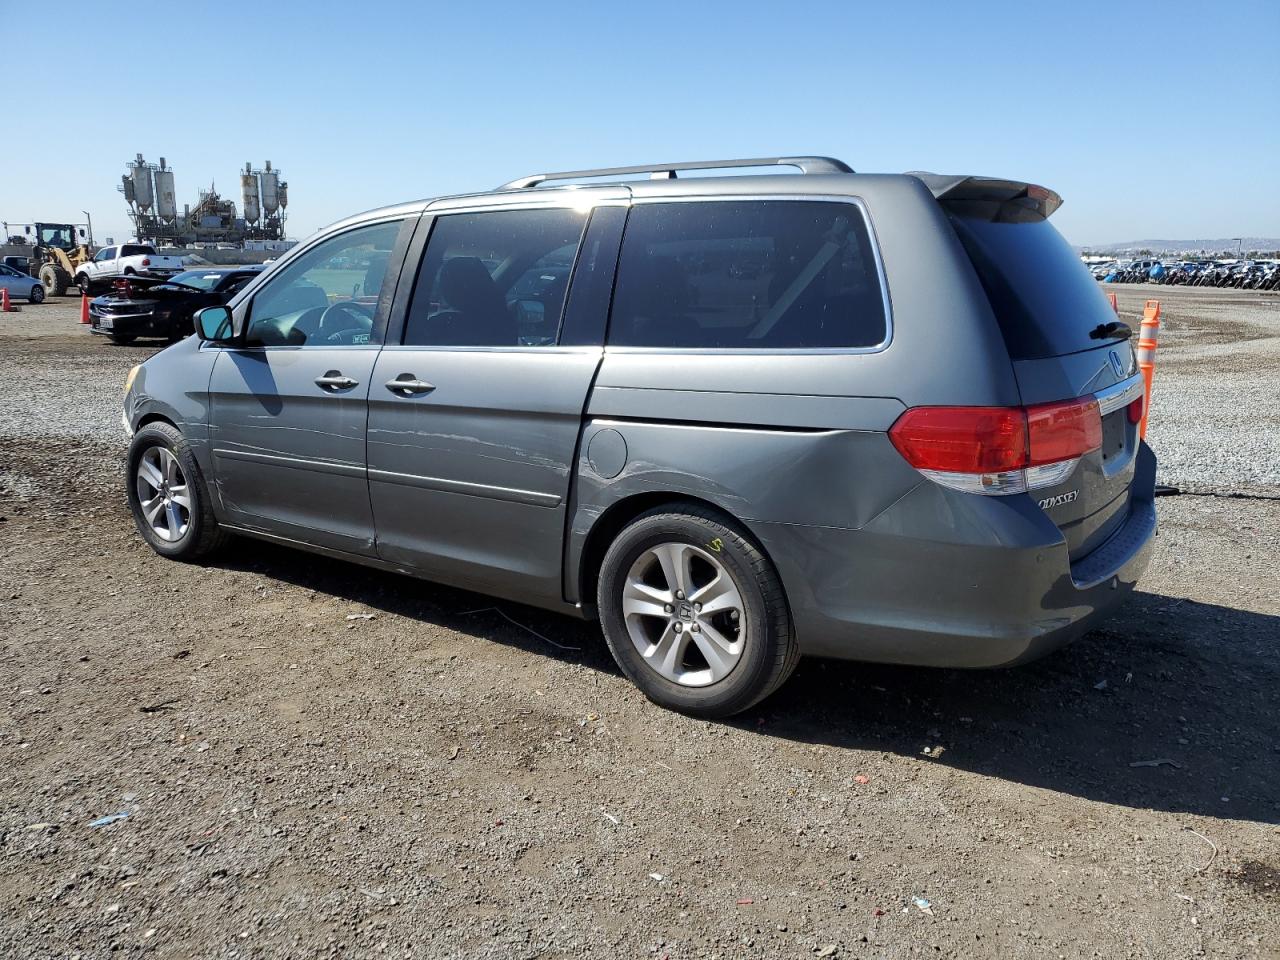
21 286
164 308
887 418
125 260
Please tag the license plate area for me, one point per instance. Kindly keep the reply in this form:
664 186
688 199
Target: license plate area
1115 435
106 323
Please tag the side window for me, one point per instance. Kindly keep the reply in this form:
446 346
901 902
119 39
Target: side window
495 279
106 253
328 295
763 274
235 285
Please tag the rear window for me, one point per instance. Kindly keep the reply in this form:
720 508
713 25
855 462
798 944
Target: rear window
200 279
135 250
756 274
1045 300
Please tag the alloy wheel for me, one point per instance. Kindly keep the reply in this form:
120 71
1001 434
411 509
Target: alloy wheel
684 614
163 494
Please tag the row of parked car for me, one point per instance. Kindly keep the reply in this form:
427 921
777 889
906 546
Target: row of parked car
1241 274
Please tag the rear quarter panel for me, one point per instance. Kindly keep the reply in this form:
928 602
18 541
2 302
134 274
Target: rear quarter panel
800 437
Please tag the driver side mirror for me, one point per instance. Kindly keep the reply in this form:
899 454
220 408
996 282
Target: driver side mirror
213 324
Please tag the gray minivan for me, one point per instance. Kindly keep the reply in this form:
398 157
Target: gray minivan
736 418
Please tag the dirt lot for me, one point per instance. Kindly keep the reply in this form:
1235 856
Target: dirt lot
436 781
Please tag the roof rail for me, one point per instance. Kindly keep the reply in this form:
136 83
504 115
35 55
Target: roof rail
667 171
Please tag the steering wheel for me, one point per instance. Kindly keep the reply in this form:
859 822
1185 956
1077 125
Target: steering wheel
361 313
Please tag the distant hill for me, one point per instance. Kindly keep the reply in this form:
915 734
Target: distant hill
1188 247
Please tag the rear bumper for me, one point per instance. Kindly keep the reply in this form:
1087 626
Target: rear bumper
948 579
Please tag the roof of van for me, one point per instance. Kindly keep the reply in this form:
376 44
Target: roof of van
991 197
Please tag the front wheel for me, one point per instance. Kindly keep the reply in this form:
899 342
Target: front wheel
54 279
37 293
168 497
694 613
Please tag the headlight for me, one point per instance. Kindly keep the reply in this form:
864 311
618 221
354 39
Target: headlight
128 382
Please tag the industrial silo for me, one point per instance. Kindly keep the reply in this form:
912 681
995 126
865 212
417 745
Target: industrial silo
140 174
249 194
270 190
126 186
166 200
284 195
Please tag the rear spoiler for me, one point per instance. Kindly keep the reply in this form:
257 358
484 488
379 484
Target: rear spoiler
1000 201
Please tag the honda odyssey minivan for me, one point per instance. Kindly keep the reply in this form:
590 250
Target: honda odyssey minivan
735 418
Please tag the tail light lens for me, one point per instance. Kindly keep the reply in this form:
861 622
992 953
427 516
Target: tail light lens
1137 408
146 261
998 450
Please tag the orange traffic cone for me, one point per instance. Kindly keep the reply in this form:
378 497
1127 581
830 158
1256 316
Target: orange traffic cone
1147 355
84 309
1115 304
5 305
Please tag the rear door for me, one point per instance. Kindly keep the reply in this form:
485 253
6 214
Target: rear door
13 281
474 415
289 404
1059 328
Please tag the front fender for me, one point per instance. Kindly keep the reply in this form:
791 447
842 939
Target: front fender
174 385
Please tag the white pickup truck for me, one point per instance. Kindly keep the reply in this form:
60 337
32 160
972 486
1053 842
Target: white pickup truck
125 260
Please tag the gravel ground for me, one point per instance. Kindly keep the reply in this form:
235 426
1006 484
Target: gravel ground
432 780
1215 409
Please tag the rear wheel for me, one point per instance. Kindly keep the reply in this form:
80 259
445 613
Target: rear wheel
168 497
694 613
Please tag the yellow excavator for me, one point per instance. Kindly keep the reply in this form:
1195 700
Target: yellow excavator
56 256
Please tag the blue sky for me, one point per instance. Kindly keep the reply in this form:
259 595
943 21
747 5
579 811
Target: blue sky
1152 120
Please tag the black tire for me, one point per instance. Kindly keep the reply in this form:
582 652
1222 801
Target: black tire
37 294
54 279
202 536
122 339
770 653
86 288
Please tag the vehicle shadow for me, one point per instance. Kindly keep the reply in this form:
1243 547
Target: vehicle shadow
1194 686
1170 705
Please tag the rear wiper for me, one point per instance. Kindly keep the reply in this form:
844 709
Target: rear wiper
1116 329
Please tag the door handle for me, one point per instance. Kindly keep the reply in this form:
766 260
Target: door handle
407 384
334 380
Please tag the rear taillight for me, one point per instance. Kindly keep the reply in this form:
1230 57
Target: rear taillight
998 450
146 261
1136 409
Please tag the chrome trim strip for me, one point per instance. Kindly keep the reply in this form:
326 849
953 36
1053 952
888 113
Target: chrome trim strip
752 351
295 463
1120 395
440 485
514 348
119 316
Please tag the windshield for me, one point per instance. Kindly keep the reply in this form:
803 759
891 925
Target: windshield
1046 302
55 237
200 279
